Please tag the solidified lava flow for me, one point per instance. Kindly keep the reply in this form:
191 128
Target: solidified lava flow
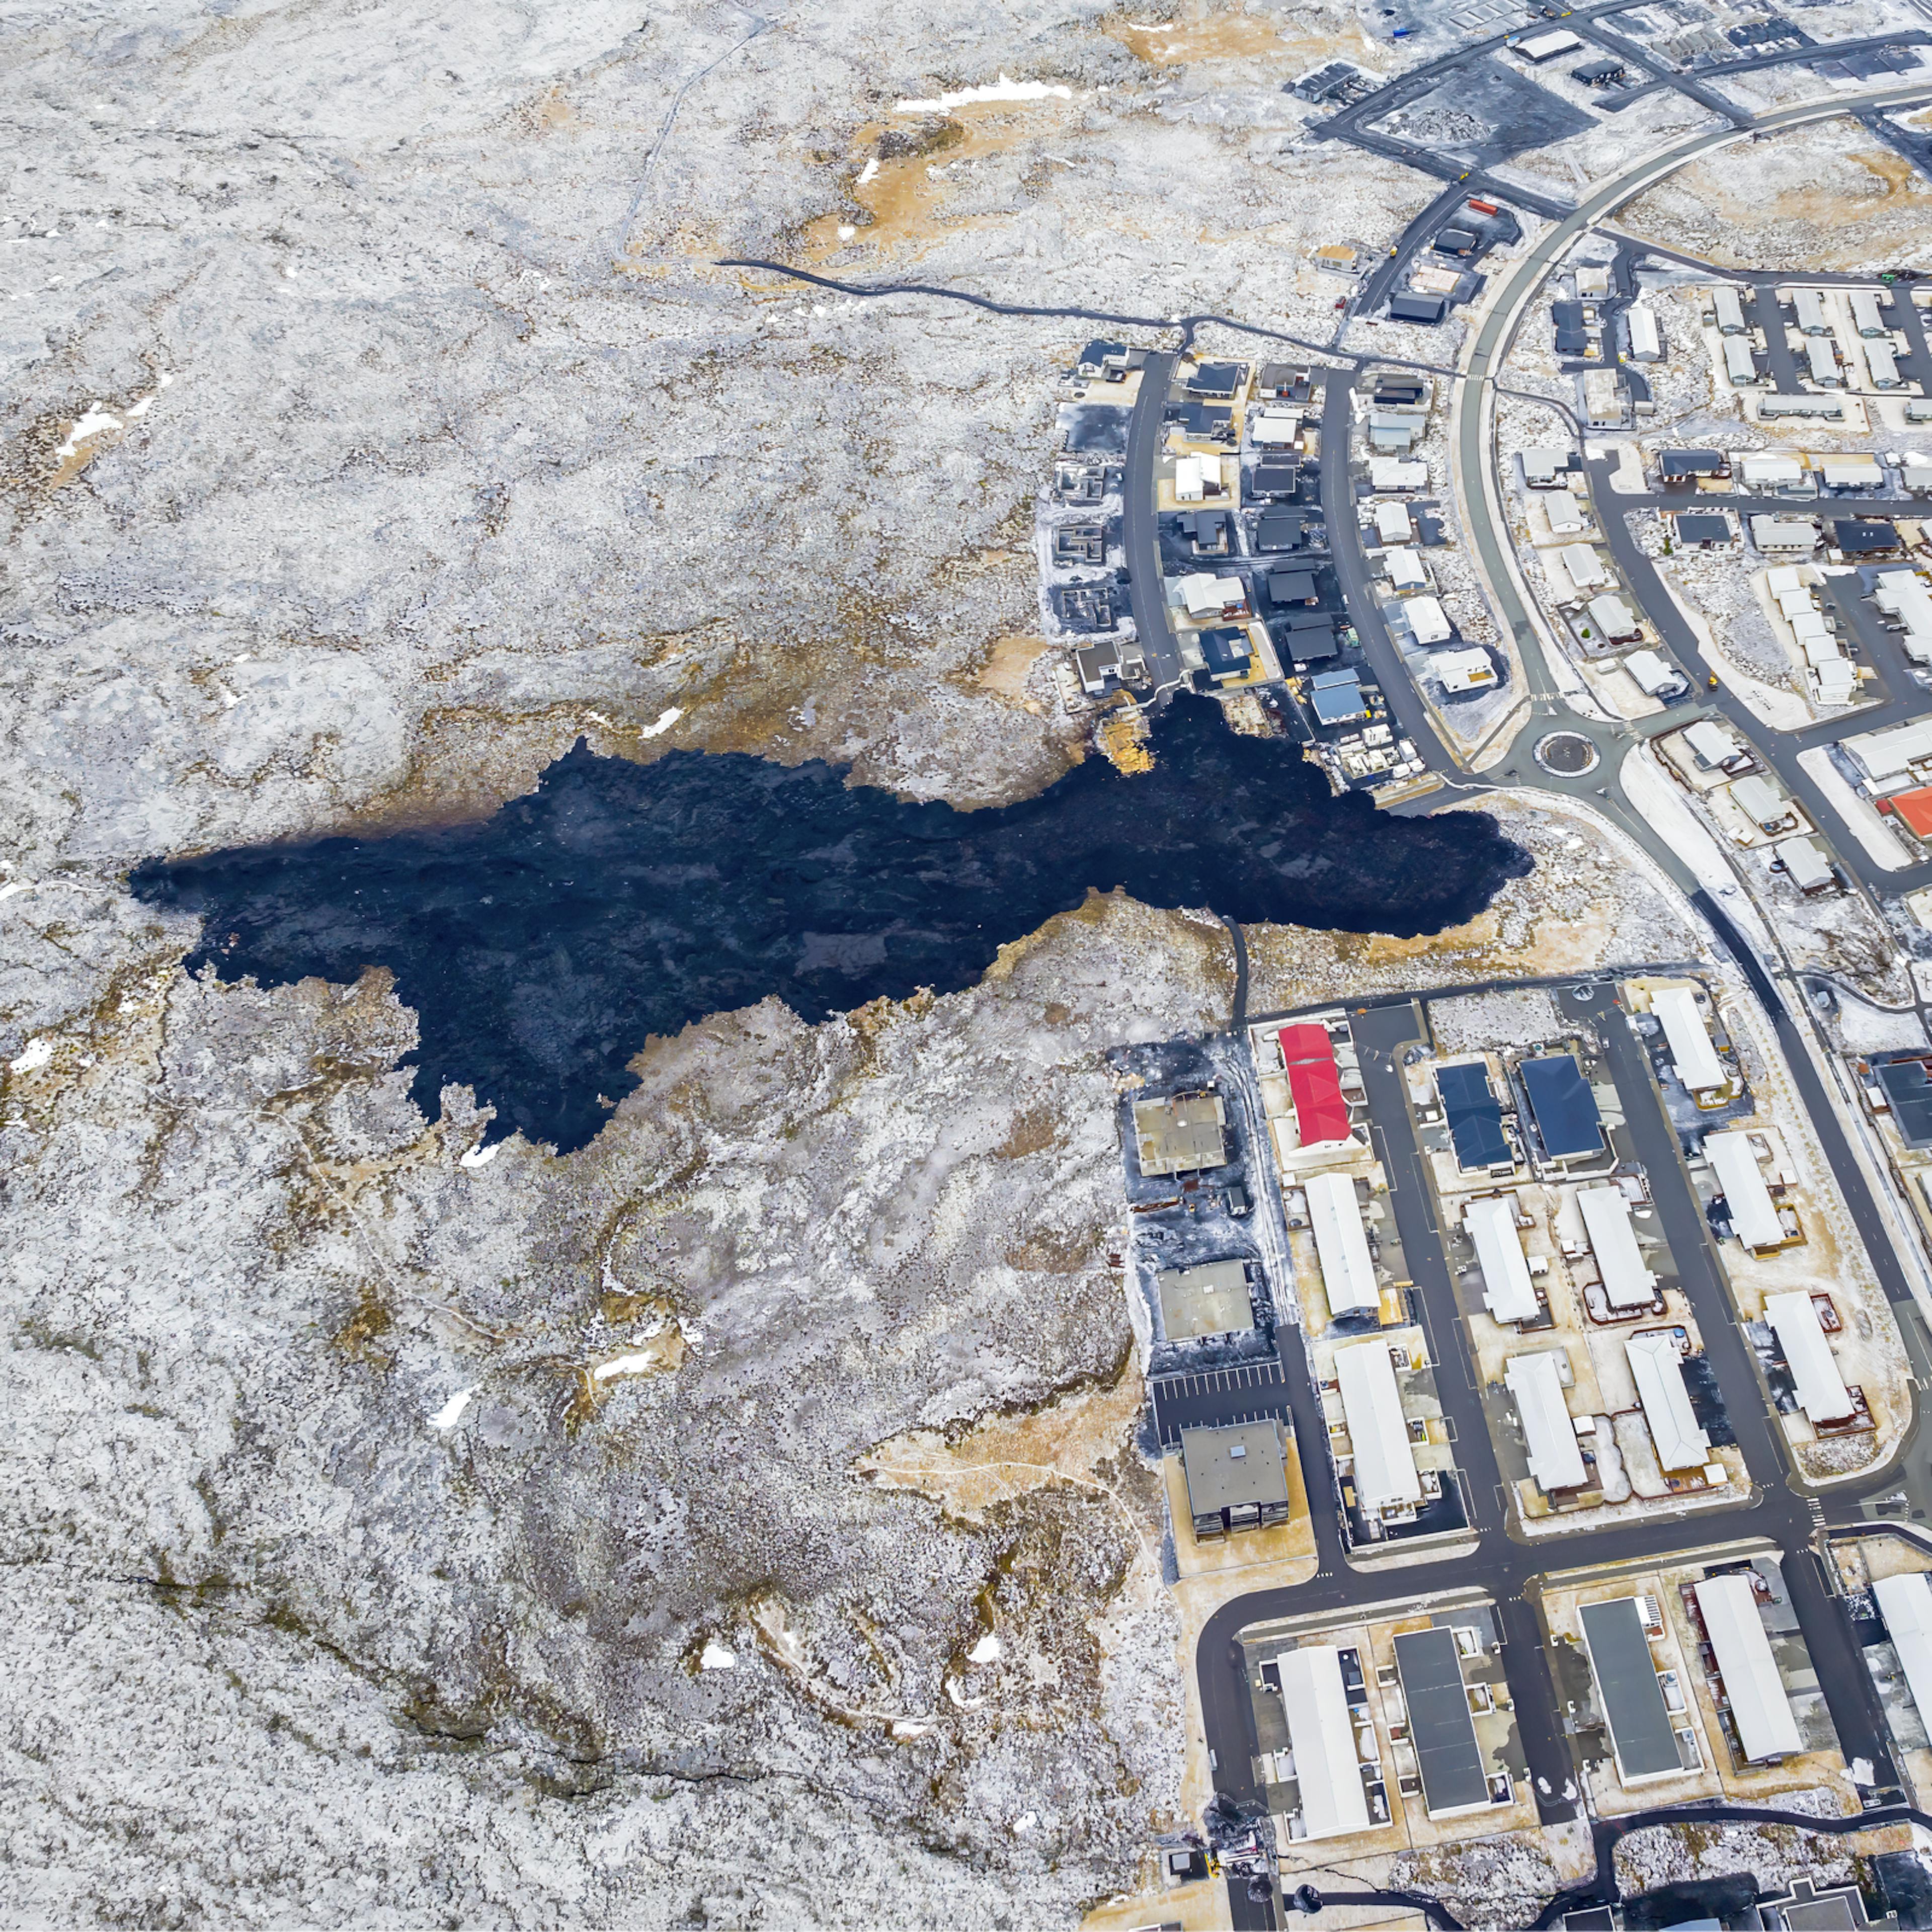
541 947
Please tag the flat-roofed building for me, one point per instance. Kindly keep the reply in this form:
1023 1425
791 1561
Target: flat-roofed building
1691 1050
1641 1736
1730 311
1628 1283
1657 1366
1564 1109
1321 1735
1753 1214
1183 1133
1544 469
1385 1473
1905 1602
1237 1477
1342 1244
1470 669
1441 1729
1906 1081
1822 1393
1508 1293
1549 1434
1210 1300
1760 1710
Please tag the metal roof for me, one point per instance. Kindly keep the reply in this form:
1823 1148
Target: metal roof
1607 1220
1475 1116
1698 1066
1627 1690
1377 1431
1657 1367
1905 1602
1822 1393
1508 1293
1753 1216
1440 1726
1909 1090
1348 1275
1564 1108
1321 1734
1760 1708
1536 1383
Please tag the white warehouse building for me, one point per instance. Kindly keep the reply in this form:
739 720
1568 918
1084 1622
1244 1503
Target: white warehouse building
1321 1735
1760 1710
1385 1473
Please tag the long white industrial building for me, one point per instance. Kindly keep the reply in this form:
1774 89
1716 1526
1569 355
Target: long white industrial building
1385 1473
1905 1602
1760 1708
1607 1220
1698 1066
1323 1740
1341 1244
1814 1369
1508 1293
1550 1436
1753 1214
1657 1367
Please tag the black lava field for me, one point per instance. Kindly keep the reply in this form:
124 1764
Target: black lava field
541 947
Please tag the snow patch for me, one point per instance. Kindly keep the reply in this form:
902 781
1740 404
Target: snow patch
986 1651
18 885
1002 89
91 424
38 1053
717 1658
450 1413
481 1156
869 171
665 720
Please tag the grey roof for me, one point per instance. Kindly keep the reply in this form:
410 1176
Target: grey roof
1628 1690
1704 526
1211 1300
1226 1468
1439 1723
1909 1091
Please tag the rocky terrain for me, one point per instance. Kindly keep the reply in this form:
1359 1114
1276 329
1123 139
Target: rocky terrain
492 1537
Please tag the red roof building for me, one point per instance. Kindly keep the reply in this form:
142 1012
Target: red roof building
1315 1084
1913 810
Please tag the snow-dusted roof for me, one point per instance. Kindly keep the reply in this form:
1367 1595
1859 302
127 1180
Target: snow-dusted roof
1508 1293
1760 1708
1712 741
1607 1220
1323 1739
1585 566
1536 1383
1371 1405
1657 1366
1814 1369
1889 753
1698 1066
1335 1213
1739 1174
1427 619
1905 1602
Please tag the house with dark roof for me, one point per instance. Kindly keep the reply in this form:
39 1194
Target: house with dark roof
1687 466
1864 536
1409 306
1226 652
1221 382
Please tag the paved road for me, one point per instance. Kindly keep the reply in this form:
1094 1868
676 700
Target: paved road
1908 36
1146 595
1503 1566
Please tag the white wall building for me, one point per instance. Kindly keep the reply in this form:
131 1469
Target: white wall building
1548 1432
1508 1293
1607 1220
1385 1472
1657 1367
1905 1602
1822 1393
1760 1710
1342 1244
1754 1213
1321 1734
1698 1066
